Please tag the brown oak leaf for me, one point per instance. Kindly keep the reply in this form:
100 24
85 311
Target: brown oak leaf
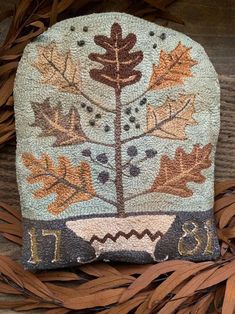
185 167
65 127
118 62
170 119
58 69
172 69
71 184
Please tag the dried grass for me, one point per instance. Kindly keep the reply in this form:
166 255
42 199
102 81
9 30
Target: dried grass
175 286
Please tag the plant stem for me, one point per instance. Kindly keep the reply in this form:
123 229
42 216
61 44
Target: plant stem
137 195
118 155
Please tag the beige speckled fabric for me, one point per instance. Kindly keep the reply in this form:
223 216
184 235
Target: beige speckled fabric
117 122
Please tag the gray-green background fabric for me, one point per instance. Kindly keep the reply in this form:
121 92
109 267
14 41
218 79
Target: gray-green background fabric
28 89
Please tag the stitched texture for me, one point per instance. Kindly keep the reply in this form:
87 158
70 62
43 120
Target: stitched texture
116 137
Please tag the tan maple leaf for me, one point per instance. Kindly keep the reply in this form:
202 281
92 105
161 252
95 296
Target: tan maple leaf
172 69
185 167
71 184
170 119
65 127
58 69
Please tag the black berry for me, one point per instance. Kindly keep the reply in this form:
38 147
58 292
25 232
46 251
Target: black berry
89 109
85 29
81 43
102 158
151 33
132 151
98 116
136 110
103 177
86 152
143 101
128 110
150 153
132 119
72 28
83 105
137 125
134 171
92 122
154 46
126 127
107 128
163 36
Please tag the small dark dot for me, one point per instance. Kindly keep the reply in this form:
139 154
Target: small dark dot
103 177
126 127
150 153
106 128
143 101
85 29
92 122
89 109
83 105
134 171
81 43
132 151
151 33
163 36
132 119
136 109
154 46
86 152
72 28
128 110
102 158
98 116
137 125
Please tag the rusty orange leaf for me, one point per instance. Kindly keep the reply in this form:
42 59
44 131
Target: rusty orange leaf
70 183
173 68
185 167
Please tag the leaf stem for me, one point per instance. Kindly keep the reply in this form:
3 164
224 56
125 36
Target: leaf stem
98 143
137 195
105 199
137 98
108 166
96 103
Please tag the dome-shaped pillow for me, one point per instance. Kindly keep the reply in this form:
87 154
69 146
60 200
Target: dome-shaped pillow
117 122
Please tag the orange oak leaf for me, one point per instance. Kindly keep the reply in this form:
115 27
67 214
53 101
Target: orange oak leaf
172 69
71 184
58 69
170 119
65 127
185 167
118 62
